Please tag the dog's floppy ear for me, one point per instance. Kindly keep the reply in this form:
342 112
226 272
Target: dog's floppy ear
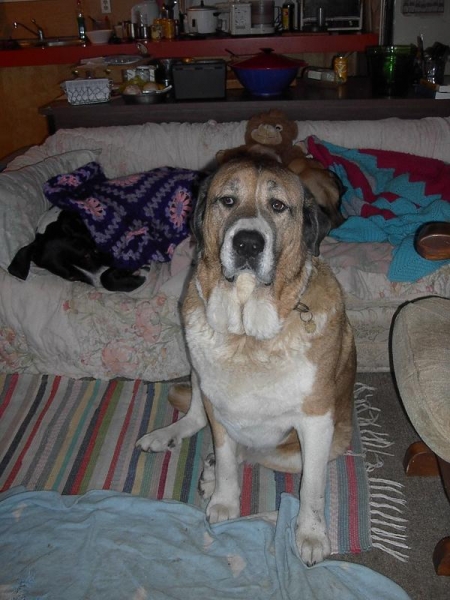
316 224
199 212
20 264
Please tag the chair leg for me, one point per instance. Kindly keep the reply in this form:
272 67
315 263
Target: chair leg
441 557
420 461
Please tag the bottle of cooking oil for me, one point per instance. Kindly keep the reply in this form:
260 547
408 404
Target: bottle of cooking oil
287 15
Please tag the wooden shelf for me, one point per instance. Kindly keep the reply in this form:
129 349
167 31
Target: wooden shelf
293 43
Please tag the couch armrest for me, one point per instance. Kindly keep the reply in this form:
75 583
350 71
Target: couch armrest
433 241
5 160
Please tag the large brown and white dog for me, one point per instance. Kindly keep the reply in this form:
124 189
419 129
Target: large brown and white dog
272 351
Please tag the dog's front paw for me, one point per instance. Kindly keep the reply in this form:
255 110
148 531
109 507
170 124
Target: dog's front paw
313 546
222 511
159 440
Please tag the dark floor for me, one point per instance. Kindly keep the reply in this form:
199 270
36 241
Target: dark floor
427 508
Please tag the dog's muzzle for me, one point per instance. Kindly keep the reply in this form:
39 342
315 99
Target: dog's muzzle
248 246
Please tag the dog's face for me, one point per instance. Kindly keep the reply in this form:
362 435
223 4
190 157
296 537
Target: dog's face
254 215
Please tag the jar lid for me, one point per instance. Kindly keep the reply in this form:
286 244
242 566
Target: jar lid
268 59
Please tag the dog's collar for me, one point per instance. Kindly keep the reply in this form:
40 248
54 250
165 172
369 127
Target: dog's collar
306 316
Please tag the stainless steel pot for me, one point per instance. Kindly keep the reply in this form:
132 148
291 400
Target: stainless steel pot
202 19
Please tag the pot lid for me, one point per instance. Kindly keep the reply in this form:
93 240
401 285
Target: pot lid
268 59
202 6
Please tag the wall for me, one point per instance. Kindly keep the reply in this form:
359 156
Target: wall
56 17
435 28
22 91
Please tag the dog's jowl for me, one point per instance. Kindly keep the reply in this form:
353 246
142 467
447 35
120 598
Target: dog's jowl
272 352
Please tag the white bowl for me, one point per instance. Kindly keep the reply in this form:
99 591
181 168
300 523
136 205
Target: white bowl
99 36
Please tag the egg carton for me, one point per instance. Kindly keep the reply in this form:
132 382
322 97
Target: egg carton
87 91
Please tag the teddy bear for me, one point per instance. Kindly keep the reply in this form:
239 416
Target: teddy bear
273 133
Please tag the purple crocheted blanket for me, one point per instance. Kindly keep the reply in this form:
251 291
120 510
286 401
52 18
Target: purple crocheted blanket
139 218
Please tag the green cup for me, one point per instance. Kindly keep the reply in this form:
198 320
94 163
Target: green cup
391 70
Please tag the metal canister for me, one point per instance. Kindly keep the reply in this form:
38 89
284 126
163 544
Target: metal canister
168 26
156 32
128 74
143 73
340 66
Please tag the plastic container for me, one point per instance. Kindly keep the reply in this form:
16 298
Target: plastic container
87 91
391 70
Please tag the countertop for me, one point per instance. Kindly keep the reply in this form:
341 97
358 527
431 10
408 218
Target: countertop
312 101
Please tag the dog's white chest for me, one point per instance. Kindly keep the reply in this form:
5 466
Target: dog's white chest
257 394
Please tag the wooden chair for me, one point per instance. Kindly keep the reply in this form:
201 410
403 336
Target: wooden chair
420 333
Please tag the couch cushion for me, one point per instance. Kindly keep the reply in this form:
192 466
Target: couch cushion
421 359
139 218
22 201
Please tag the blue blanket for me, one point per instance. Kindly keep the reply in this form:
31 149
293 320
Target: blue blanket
114 546
389 195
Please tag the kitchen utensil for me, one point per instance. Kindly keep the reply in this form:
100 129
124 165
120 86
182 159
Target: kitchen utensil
99 36
205 79
202 19
262 17
266 73
150 97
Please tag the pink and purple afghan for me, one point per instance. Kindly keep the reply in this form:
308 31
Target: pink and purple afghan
138 218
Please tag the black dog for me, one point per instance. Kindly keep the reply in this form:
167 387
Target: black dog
66 248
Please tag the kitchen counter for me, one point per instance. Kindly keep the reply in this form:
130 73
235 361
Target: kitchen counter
312 101
208 46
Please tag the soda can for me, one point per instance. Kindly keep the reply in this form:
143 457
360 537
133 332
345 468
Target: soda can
340 67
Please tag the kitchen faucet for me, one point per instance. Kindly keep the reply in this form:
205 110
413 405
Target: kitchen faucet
39 32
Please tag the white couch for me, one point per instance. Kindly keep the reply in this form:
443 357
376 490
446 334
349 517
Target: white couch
49 325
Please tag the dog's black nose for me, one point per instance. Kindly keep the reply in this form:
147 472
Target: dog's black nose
248 243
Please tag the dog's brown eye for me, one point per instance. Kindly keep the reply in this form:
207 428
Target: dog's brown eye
278 206
227 201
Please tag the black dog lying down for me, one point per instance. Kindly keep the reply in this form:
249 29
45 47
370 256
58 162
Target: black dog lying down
65 248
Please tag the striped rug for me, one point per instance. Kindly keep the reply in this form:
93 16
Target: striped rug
72 436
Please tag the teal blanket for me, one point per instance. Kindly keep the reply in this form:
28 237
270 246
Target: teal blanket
113 546
388 196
